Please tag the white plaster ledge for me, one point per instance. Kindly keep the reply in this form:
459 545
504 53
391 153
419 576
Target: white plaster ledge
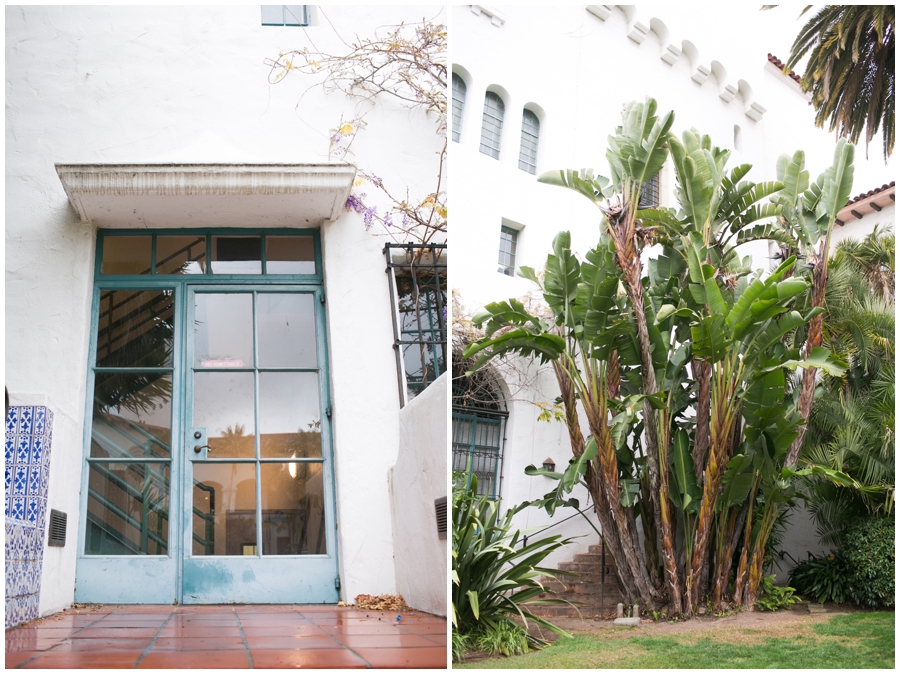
496 16
205 195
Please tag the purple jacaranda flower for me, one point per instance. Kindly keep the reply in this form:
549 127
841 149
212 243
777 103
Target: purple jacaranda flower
388 222
336 138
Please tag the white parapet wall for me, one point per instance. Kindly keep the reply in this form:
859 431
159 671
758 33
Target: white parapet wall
417 480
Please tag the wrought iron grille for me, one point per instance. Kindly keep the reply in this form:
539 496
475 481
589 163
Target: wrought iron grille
417 274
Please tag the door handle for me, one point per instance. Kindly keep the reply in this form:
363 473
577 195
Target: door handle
200 448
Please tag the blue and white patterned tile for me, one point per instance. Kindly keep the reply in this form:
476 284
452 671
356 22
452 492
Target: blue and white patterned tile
37 449
26 420
32 509
34 480
40 414
17 508
7 480
23 448
19 479
10 447
12 419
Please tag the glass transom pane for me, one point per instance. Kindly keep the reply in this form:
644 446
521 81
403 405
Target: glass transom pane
126 255
290 255
236 255
180 254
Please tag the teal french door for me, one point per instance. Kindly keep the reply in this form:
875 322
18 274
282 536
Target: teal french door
208 475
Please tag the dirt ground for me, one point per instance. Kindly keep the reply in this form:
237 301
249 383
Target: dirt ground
742 627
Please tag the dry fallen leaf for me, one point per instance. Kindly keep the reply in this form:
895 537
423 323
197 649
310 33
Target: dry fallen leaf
381 602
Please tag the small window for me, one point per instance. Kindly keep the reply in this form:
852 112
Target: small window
492 125
508 240
285 15
459 102
650 193
531 129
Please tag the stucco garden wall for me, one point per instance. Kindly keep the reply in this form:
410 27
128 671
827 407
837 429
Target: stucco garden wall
417 479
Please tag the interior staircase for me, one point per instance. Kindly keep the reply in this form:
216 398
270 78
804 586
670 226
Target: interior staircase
594 592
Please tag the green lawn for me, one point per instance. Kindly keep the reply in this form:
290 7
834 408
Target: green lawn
858 640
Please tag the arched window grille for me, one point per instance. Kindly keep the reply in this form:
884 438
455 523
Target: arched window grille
459 102
531 129
479 422
492 124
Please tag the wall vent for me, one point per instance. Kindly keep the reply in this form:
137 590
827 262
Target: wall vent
440 513
57 529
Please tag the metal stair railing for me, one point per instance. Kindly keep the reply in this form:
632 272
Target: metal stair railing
151 478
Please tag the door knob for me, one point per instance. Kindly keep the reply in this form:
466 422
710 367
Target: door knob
199 448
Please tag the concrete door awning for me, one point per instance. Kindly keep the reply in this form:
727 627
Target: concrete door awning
207 195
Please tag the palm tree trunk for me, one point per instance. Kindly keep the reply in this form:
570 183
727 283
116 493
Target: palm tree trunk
702 373
813 340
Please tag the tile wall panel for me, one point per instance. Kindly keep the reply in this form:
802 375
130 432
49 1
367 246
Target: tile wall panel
28 440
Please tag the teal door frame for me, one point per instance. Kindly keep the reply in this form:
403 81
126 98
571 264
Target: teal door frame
162 578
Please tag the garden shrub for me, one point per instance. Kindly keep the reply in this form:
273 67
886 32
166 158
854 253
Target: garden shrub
773 597
868 545
825 578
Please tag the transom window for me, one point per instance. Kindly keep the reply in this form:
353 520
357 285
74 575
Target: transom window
531 129
492 124
240 252
285 15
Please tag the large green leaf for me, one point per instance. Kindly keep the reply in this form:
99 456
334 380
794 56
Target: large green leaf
561 278
711 341
683 471
583 182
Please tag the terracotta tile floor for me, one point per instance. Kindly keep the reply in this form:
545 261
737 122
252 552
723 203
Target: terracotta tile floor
228 636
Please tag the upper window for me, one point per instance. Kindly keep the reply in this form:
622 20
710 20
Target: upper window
492 124
183 253
420 310
285 15
508 240
650 193
531 129
459 102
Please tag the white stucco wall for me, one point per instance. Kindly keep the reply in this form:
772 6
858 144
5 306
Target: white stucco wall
417 479
144 84
576 72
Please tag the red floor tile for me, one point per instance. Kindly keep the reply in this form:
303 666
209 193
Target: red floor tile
42 632
21 644
16 659
425 628
285 631
117 632
190 631
332 658
356 641
84 660
195 660
404 658
198 644
100 645
376 628
291 643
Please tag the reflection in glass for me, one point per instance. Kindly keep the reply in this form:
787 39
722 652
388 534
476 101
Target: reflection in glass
223 330
135 328
236 255
287 329
290 255
421 305
132 415
180 254
223 405
293 509
289 422
126 255
127 509
224 508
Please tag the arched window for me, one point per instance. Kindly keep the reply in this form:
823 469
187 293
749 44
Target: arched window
531 129
492 124
459 102
478 426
